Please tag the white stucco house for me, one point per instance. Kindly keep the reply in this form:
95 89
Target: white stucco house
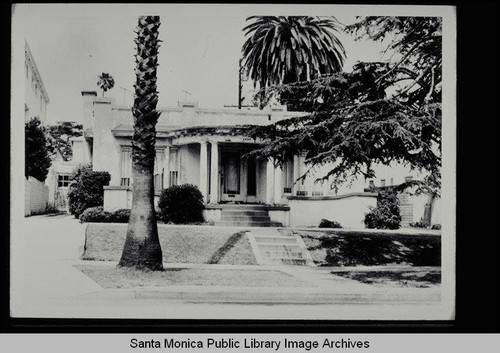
204 147
36 98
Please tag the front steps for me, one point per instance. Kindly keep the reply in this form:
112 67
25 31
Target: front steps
245 216
279 247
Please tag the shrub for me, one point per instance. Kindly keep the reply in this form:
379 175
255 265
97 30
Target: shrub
120 216
96 215
86 190
420 224
436 226
386 215
37 151
325 223
181 204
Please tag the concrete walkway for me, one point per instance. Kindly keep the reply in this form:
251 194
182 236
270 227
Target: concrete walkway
45 283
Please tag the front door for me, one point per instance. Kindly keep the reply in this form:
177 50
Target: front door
231 177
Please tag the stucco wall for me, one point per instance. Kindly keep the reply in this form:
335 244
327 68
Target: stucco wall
190 164
36 196
348 210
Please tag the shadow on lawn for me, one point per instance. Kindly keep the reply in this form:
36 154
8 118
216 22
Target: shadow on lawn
424 279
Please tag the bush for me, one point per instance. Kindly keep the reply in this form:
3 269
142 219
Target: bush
120 216
420 224
436 226
96 215
181 204
386 215
86 190
325 223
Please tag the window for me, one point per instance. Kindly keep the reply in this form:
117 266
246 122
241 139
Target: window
63 180
158 169
173 167
125 166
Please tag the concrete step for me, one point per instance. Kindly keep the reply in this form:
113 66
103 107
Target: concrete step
278 247
245 207
247 224
282 254
287 261
253 213
245 218
261 238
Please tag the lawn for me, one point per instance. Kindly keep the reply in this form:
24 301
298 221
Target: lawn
338 248
180 244
114 277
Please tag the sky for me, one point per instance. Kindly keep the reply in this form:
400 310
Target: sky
73 43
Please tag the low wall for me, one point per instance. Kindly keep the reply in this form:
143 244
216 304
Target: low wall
349 210
36 197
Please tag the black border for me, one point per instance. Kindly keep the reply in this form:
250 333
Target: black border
478 295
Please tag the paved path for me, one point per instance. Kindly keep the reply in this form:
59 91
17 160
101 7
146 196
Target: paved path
45 284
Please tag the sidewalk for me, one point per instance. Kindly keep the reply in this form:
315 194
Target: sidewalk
45 283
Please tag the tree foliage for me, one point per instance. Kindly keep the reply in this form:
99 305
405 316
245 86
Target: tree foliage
380 113
60 138
105 82
285 49
37 151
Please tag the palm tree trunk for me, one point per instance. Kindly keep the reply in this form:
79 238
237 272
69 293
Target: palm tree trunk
142 248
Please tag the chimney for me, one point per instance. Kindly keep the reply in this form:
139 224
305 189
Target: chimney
88 109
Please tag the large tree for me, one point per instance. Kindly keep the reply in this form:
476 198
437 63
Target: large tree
60 136
142 247
285 49
37 151
380 113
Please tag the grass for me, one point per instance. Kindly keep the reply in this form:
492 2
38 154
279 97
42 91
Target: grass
328 248
180 244
421 279
114 277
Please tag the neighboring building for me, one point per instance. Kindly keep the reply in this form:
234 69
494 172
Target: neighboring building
204 147
58 178
36 97
36 193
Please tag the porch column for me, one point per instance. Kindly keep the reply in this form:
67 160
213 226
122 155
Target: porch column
166 169
296 175
214 173
203 170
278 188
269 182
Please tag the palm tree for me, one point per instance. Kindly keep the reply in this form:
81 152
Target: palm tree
142 248
287 49
106 81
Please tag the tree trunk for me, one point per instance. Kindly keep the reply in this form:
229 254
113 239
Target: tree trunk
142 247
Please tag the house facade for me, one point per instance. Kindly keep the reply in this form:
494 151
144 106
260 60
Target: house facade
36 97
204 147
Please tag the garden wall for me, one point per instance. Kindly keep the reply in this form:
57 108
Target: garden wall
36 197
349 210
180 244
